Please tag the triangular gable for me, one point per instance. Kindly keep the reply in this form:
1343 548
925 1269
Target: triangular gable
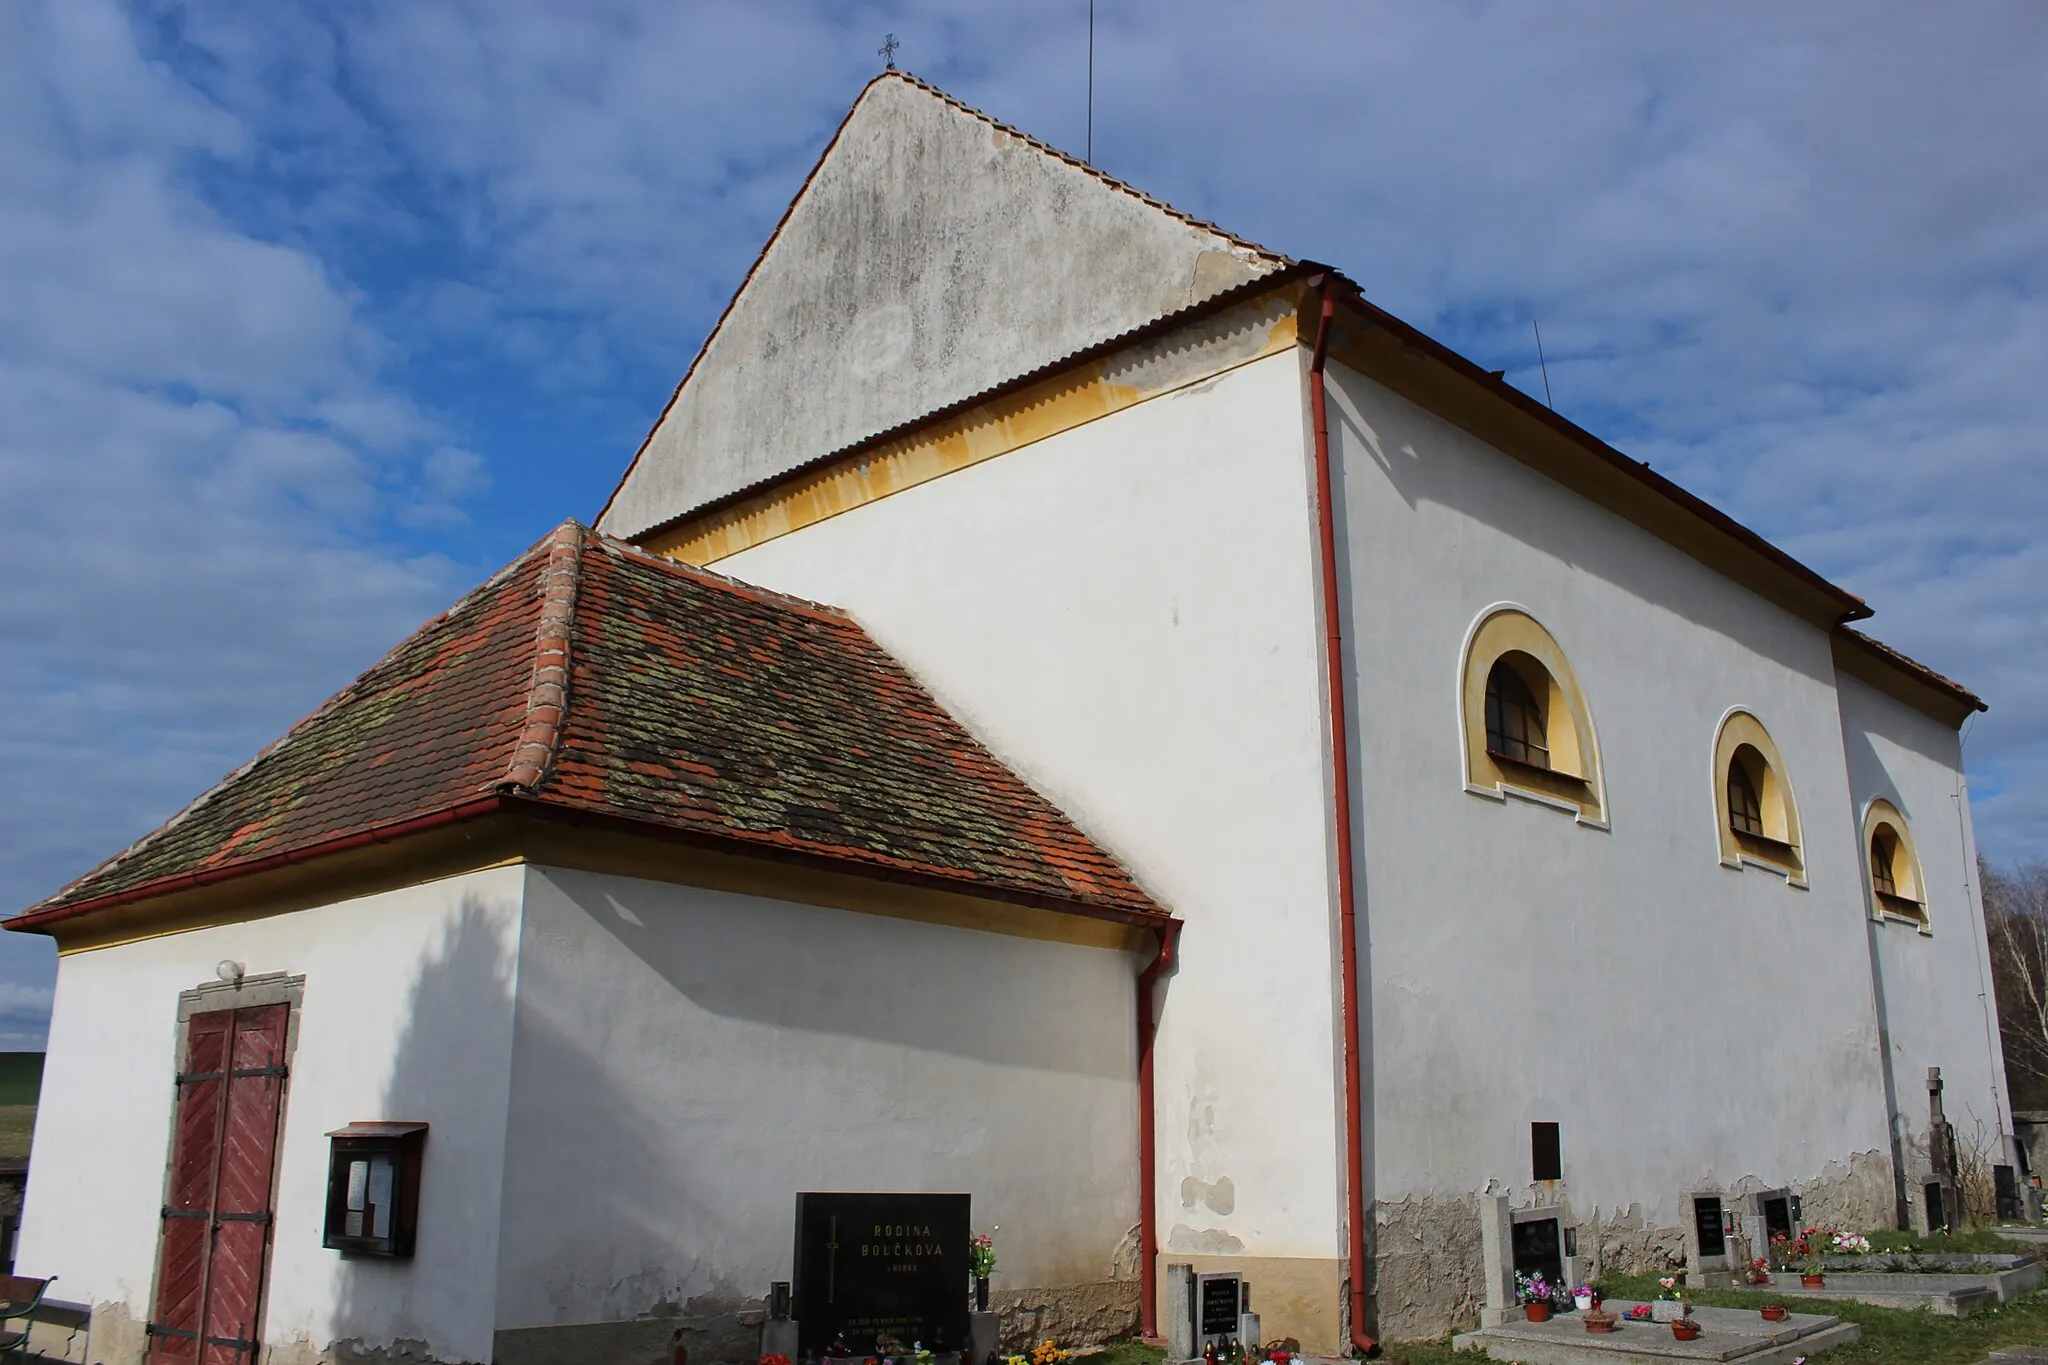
932 254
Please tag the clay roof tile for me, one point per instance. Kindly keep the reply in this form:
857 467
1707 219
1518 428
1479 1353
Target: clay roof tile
591 676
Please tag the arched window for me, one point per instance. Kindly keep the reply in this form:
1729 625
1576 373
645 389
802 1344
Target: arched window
1527 731
1896 891
1758 819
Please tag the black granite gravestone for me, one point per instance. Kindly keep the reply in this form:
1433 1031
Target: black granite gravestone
1777 1218
1713 1233
2005 1186
875 1265
1539 1250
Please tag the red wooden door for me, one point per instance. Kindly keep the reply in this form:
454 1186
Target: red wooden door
215 1242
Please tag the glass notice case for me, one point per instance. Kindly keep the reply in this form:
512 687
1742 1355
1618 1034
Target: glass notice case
373 1188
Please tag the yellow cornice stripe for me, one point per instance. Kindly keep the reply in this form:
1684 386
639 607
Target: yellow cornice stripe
1199 351
506 841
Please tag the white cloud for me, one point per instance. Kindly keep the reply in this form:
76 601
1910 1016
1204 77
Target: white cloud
24 1017
16 999
197 442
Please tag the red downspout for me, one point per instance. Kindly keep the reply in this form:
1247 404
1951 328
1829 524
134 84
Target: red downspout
1148 1162
1340 785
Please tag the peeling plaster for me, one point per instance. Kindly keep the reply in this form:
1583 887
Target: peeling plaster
1202 1241
1218 1196
1429 1273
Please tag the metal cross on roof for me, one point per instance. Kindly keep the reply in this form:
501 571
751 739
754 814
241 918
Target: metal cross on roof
887 51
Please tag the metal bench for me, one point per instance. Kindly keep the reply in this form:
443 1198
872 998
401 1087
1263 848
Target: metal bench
20 1298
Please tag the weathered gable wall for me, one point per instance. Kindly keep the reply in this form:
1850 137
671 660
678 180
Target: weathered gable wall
931 256
687 1060
407 1014
1126 613
1935 986
1689 1025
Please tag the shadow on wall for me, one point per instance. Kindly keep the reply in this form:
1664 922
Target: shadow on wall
687 1060
1415 450
828 978
608 1253
448 1069
1870 777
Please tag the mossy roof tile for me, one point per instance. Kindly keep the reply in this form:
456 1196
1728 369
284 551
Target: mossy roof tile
693 701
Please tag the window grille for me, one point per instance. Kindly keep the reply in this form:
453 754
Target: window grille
1882 847
1514 720
1745 809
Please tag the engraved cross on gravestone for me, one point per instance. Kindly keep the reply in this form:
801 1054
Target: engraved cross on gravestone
881 1265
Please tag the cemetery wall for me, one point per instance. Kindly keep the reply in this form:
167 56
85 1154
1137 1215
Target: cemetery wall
1127 614
406 1014
1935 986
1686 1024
688 1060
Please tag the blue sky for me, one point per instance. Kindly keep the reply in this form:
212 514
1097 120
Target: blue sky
316 313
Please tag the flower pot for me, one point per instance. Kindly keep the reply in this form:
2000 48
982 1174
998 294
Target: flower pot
1685 1330
1813 1281
1538 1312
1599 1322
981 1293
1582 1302
1773 1312
1669 1310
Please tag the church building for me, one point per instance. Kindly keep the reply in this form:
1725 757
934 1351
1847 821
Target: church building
1068 706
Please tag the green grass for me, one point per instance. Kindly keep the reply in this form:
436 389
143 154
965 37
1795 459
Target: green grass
1127 1353
21 1077
1420 1353
1966 1242
17 1126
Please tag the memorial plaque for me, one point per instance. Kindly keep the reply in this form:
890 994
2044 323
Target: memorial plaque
1221 1297
1538 1248
2005 1184
1706 1217
1777 1218
874 1265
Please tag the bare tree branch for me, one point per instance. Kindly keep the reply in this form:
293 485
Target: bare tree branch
2016 918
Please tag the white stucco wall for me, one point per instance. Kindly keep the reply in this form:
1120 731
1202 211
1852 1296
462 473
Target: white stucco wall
1126 613
407 1014
688 1060
1936 986
1687 1024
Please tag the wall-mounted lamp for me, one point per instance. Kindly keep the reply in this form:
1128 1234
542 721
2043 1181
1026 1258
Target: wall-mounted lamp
228 970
